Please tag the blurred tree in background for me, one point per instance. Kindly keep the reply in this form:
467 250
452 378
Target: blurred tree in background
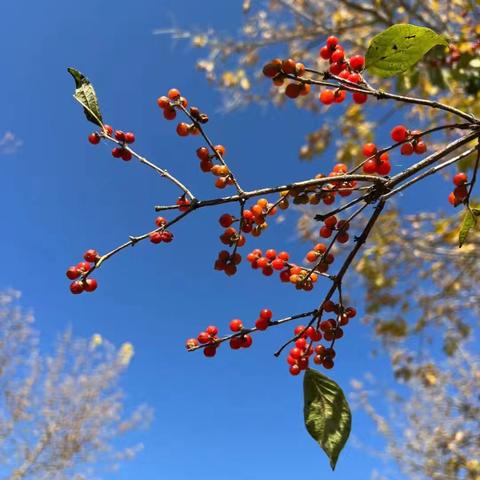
60 415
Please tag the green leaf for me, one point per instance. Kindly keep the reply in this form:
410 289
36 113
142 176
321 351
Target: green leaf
327 415
85 94
469 221
399 47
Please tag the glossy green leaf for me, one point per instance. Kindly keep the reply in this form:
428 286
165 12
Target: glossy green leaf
327 415
469 221
399 47
85 94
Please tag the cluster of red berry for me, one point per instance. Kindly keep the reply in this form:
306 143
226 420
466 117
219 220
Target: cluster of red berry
400 133
376 162
161 234
169 102
330 330
345 68
209 338
302 278
174 100
278 70
124 138
207 164
326 193
460 193
227 262
253 221
331 224
77 273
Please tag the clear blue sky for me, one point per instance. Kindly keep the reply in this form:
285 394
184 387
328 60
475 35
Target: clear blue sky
238 416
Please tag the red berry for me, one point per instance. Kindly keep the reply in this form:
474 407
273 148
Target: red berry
155 237
126 155
94 138
173 94
169 113
340 168
261 324
337 56
236 343
289 66
359 97
406 149
130 137
90 285
72 273
116 152
399 133
420 148
369 149
460 179
203 153
325 232
278 264
119 135
299 329
351 312
84 267
357 62
247 341
326 97
76 287
461 192
266 314
295 370
236 325
225 220
212 330
160 221
327 363
166 236
271 254
295 353
453 199
332 42
354 77
203 337
293 90
210 351
339 96
330 221
163 102
301 343
325 52
183 129
384 168
91 255
108 129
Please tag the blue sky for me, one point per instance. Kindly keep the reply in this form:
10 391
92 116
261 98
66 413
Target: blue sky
238 416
